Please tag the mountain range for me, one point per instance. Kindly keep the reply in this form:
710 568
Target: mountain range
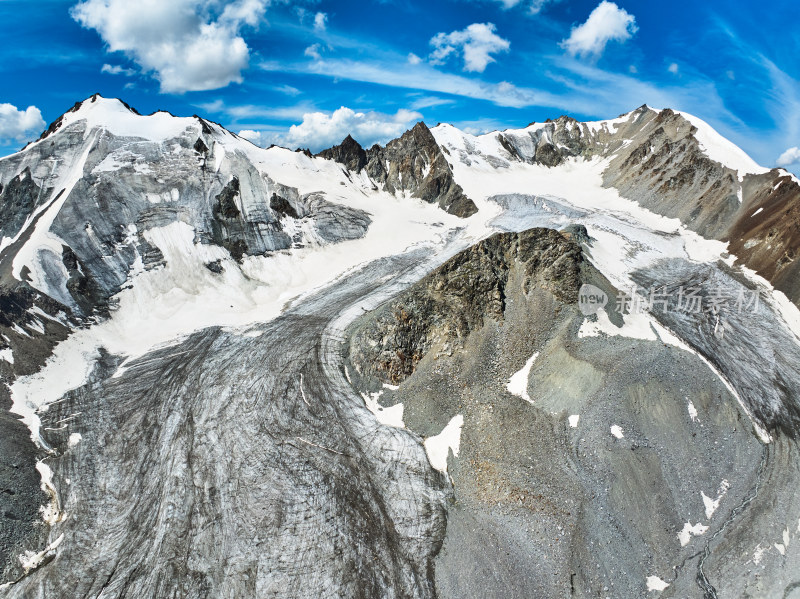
545 362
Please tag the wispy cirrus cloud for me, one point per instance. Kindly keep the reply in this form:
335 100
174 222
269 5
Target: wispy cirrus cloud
533 7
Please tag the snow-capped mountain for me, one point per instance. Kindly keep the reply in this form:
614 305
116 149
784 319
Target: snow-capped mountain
244 372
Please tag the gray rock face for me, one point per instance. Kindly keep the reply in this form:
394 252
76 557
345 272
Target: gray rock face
18 198
413 163
456 299
349 153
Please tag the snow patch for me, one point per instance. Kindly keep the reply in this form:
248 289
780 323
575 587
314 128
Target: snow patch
573 420
518 384
7 354
692 411
654 583
74 439
51 513
690 531
438 447
391 416
712 505
32 560
617 432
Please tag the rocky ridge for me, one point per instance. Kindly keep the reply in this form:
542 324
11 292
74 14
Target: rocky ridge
457 298
413 163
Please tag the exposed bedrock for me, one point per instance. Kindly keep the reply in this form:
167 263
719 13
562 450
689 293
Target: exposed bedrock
413 163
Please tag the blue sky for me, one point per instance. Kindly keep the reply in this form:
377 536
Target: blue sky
306 73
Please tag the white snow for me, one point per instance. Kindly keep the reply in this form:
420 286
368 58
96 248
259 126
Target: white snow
759 211
781 548
41 239
722 150
51 513
166 304
617 432
712 505
438 448
758 554
112 116
654 583
573 420
32 560
689 531
391 416
692 411
74 439
7 354
518 384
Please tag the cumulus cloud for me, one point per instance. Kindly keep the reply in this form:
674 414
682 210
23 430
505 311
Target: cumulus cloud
413 58
190 45
321 130
673 68
253 136
19 125
607 22
476 44
789 157
320 21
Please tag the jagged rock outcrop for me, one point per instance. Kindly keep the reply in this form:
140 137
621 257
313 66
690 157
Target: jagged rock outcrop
413 163
349 153
454 300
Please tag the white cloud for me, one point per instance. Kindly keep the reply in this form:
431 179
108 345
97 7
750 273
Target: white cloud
320 21
252 136
188 44
608 22
476 44
116 70
429 101
789 157
413 58
534 6
313 51
673 68
19 125
288 90
321 130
